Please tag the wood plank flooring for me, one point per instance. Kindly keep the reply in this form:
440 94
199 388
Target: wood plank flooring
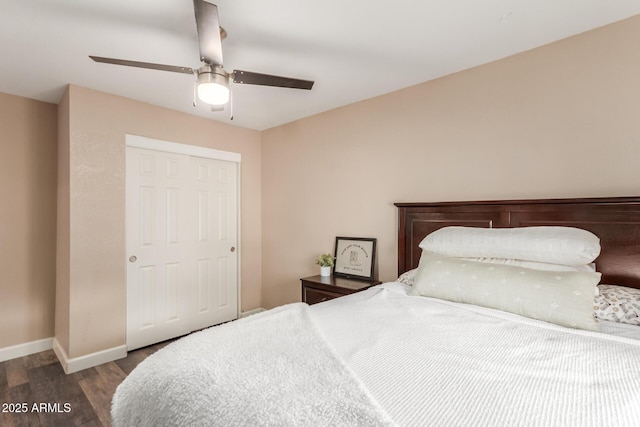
79 399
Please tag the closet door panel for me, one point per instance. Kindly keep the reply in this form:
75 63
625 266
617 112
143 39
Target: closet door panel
159 246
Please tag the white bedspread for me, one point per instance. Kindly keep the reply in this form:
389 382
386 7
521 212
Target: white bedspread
435 363
270 369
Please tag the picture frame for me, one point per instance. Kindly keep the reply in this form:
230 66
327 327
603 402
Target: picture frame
355 257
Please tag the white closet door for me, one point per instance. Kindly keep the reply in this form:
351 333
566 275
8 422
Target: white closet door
159 246
216 248
181 216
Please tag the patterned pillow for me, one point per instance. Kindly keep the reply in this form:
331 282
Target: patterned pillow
407 277
561 297
618 304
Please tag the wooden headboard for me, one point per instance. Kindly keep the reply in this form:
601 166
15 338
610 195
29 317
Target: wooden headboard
616 221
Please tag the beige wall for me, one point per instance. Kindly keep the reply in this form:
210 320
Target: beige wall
27 219
98 123
562 120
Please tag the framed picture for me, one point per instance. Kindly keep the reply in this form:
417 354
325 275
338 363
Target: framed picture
355 257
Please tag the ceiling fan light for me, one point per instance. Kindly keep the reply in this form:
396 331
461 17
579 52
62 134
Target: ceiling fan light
213 88
213 93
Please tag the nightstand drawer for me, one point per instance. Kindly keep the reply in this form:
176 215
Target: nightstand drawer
314 296
316 289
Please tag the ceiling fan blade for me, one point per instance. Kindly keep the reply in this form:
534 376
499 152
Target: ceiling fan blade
208 32
138 64
251 78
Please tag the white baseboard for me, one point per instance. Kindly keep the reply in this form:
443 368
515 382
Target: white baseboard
71 365
8 353
250 312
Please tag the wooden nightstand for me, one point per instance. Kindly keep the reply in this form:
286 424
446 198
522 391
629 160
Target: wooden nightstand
318 288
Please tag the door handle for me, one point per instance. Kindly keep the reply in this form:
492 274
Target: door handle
233 249
133 258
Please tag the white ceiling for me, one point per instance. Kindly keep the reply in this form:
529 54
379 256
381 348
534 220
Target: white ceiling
354 49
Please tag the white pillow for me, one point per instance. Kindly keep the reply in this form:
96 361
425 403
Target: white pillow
555 245
408 277
561 297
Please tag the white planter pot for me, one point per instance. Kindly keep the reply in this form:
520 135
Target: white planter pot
325 271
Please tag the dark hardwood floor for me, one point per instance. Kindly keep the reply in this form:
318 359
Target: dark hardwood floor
79 399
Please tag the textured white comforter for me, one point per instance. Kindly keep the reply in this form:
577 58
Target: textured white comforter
425 362
435 363
271 369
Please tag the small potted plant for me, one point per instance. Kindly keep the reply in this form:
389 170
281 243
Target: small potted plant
325 261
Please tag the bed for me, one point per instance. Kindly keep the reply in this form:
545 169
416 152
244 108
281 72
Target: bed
392 356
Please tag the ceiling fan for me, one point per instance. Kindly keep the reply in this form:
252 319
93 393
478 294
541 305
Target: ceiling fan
212 79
